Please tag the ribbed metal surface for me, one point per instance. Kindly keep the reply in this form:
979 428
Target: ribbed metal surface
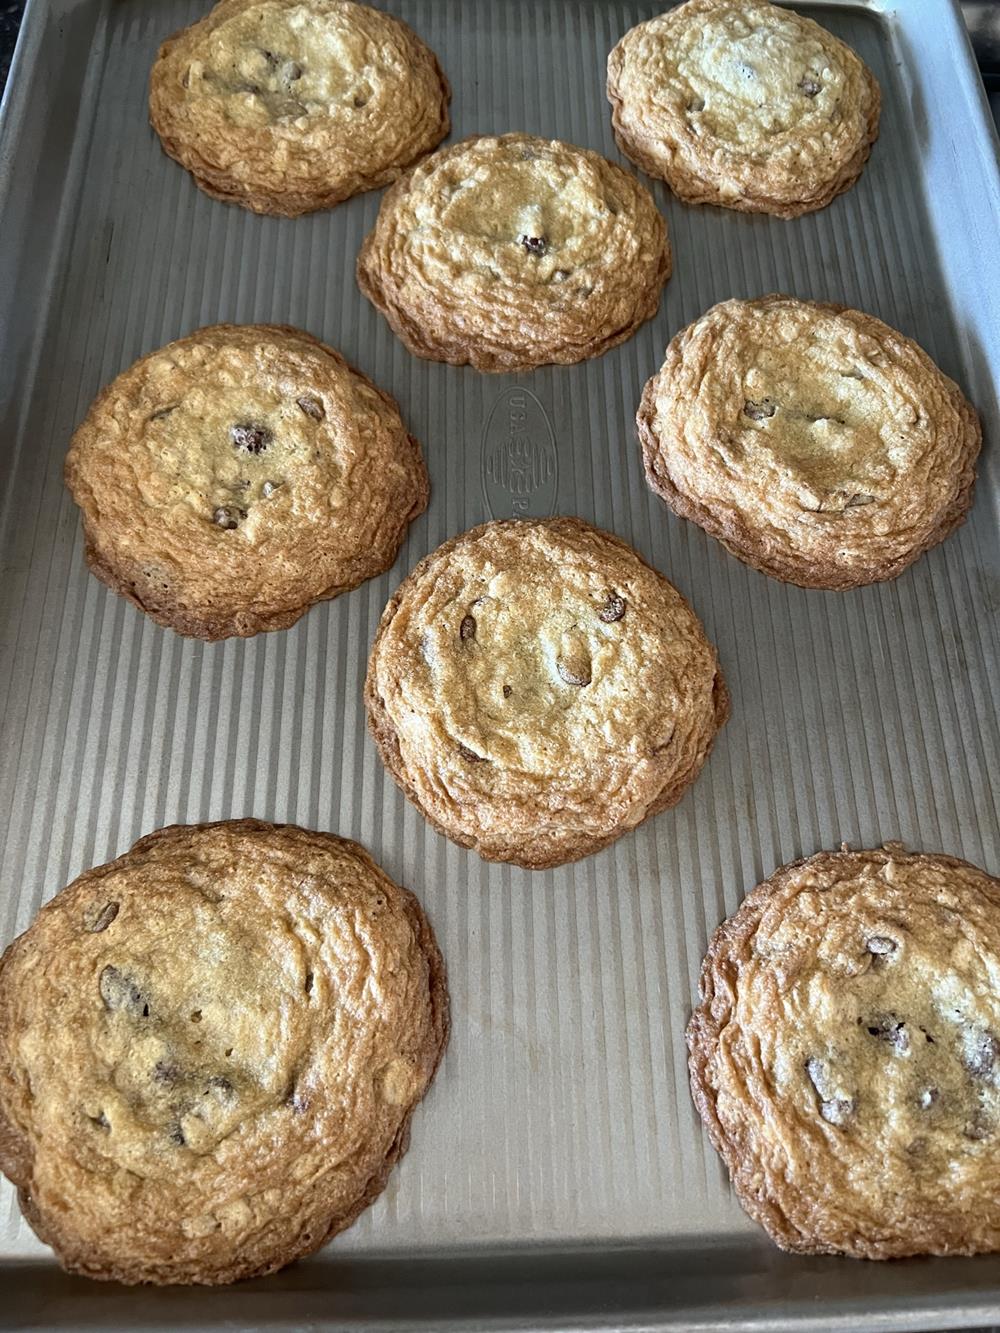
562 1110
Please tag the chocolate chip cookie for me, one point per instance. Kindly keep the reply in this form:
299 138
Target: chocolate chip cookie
818 444
537 690
744 104
286 106
233 478
510 252
210 1051
844 1056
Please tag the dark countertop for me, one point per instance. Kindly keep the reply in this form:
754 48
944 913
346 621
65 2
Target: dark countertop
10 21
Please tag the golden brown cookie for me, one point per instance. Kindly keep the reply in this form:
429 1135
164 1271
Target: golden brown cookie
513 252
818 444
744 104
537 690
210 1051
237 476
844 1056
286 106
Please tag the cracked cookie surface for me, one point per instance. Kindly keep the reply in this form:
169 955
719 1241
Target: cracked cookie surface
210 1051
744 104
510 252
232 479
286 106
818 444
537 690
844 1056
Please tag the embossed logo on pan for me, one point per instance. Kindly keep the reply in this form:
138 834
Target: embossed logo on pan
519 463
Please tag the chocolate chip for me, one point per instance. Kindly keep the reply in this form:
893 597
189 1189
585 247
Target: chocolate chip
574 672
881 945
613 609
99 917
251 438
534 245
809 86
507 691
467 629
119 992
890 1029
838 1110
759 411
471 755
162 412
981 1050
226 516
311 406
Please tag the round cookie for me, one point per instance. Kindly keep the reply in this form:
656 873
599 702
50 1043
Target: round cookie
818 444
210 1051
537 690
233 478
744 104
286 106
844 1054
510 252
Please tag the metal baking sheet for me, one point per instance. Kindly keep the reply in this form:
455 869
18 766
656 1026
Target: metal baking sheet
558 1175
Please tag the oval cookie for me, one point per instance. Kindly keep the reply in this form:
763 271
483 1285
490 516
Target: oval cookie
744 104
512 252
233 478
286 106
817 443
210 1051
537 690
844 1056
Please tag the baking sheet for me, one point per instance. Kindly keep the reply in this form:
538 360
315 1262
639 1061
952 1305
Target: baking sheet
557 1171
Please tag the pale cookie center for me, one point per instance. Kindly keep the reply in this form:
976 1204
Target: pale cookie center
745 81
525 675
822 423
191 1042
522 218
231 453
277 64
904 1052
